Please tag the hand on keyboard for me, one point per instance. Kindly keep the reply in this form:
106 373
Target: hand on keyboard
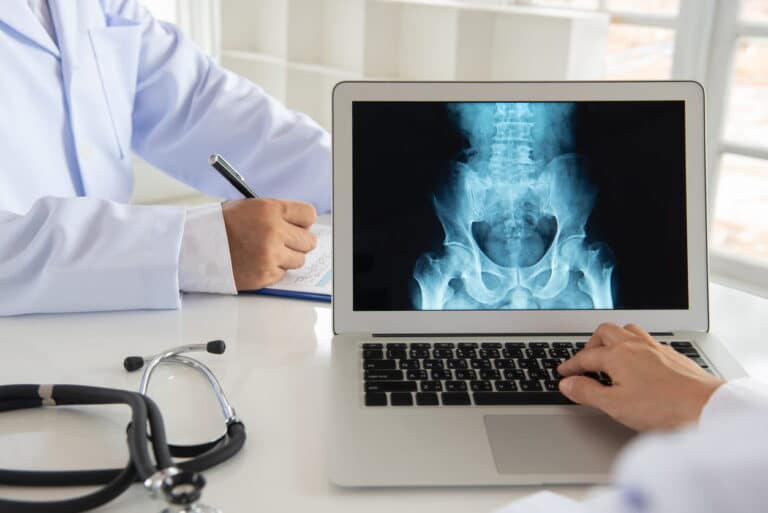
654 386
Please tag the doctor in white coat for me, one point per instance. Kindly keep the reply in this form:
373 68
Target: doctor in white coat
86 82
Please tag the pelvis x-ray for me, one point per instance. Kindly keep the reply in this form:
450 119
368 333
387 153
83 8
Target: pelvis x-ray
514 213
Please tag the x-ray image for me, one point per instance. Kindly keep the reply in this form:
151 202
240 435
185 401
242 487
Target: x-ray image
514 215
519 205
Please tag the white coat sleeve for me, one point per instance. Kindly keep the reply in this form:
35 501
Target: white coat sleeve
187 107
718 466
88 254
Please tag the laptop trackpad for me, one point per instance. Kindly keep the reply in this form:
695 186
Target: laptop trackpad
555 444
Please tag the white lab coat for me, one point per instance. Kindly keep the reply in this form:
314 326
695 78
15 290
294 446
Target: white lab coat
718 466
117 81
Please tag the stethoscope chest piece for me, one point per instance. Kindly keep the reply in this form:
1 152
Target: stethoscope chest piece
182 493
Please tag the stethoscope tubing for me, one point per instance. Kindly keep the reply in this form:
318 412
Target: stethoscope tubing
206 455
143 411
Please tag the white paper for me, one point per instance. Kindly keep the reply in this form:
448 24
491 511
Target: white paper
316 276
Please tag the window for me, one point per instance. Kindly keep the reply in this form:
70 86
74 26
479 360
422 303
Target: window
739 141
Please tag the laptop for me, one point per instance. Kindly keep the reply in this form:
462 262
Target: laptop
482 232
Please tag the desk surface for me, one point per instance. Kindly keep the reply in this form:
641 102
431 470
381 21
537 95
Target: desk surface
275 372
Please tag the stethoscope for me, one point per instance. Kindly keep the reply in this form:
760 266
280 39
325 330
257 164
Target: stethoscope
180 484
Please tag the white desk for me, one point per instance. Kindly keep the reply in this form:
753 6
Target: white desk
275 371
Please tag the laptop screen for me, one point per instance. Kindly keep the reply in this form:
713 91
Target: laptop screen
524 206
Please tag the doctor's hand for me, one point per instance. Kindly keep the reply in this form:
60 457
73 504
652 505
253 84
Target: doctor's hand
266 238
654 386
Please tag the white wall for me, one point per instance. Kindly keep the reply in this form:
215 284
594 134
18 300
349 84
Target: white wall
297 50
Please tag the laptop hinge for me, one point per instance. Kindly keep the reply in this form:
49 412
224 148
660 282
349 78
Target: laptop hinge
539 334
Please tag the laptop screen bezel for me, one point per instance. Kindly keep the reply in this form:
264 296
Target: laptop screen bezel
347 320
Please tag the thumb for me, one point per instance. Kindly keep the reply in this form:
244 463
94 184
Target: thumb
584 390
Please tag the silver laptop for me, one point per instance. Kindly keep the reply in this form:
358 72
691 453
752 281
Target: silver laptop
482 232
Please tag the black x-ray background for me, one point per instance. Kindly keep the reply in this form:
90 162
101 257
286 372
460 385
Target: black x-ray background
401 152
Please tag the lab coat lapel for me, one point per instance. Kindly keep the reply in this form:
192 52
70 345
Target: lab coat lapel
100 170
17 15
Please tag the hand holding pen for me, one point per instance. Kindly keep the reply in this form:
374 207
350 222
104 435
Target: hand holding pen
266 236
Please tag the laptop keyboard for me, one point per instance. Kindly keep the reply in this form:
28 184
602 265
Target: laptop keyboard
472 373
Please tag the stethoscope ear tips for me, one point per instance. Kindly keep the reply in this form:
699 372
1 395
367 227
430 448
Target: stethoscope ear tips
215 346
133 363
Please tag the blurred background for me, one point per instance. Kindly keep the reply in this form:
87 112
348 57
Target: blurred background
298 49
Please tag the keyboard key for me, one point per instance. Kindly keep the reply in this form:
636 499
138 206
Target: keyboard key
538 374
506 386
401 399
517 398
490 374
562 345
551 363
455 398
559 353
397 345
480 386
441 374
457 364
700 362
418 353
677 344
383 375
466 374
481 364
399 354
375 399
455 386
390 386
539 345
512 353
414 375
551 386
687 351
491 345
489 353
431 386
373 354
505 363
514 345
468 345
373 346
466 353
433 364
421 345
514 374
379 364
442 353
530 385
528 363
554 375
410 364
427 399
536 353
445 345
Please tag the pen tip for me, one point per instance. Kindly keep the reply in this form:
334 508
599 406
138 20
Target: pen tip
213 158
